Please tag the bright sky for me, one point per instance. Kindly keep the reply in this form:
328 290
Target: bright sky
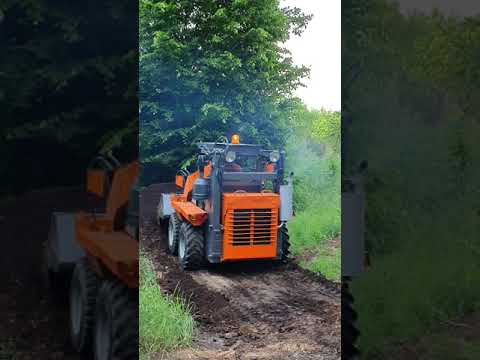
319 47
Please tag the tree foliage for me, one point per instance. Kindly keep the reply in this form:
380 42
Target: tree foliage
448 59
412 98
424 65
210 68
318 126
68 78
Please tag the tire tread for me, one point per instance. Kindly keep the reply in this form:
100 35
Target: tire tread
195 250
123 303
350 332
90 284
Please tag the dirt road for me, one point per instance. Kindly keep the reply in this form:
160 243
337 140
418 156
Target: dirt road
33 326
250 311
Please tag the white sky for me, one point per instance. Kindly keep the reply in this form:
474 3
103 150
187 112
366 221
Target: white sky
319 47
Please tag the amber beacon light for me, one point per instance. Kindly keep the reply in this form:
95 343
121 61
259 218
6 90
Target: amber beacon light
235 139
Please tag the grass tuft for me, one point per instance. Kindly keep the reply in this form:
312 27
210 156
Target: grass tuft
327 263
165 321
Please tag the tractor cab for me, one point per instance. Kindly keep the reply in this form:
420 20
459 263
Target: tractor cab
242 167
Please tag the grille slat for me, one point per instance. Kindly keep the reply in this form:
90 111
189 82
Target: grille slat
246 227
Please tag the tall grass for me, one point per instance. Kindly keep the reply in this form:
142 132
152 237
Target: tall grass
422 231
165 321
316 167
412 290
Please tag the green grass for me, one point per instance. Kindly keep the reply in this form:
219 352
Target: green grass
310 231
317 204
327 263
165 321
407 293
7 349
450 342
471 351
448 347
422 230
313 226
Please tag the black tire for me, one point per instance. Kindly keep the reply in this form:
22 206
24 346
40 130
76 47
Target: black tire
285 239
349 331
191 247
173 232
82 297
116 322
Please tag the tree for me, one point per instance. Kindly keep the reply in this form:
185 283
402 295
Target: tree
209 68
68 78
448 60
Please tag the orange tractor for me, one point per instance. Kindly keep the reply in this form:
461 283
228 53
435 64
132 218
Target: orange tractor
98 252
235 206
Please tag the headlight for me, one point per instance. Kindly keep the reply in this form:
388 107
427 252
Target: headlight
274 156
230 157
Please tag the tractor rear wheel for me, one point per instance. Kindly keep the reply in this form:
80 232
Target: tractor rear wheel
83 292
349 331
285 239
191 247
173 232
116 322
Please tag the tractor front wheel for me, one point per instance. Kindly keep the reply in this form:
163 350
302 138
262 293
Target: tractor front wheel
116 323
190 247
173 232
83 293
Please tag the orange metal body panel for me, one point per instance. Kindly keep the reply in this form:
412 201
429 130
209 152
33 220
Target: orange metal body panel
189 211
95 233
189 183
116 250
207 170
96 182
179 180
123 180
269 168
250 225
183 207
188 186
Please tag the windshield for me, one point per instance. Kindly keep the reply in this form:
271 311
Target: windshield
246 163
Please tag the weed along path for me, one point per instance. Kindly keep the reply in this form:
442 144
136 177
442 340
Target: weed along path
249 310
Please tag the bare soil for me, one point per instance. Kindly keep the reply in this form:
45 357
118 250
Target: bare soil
253 310
34 325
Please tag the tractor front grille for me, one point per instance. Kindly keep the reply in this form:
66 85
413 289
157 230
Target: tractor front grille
247 227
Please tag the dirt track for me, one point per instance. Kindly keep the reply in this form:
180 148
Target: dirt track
32 325
250 311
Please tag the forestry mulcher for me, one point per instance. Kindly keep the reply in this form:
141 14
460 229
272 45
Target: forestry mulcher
235 206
